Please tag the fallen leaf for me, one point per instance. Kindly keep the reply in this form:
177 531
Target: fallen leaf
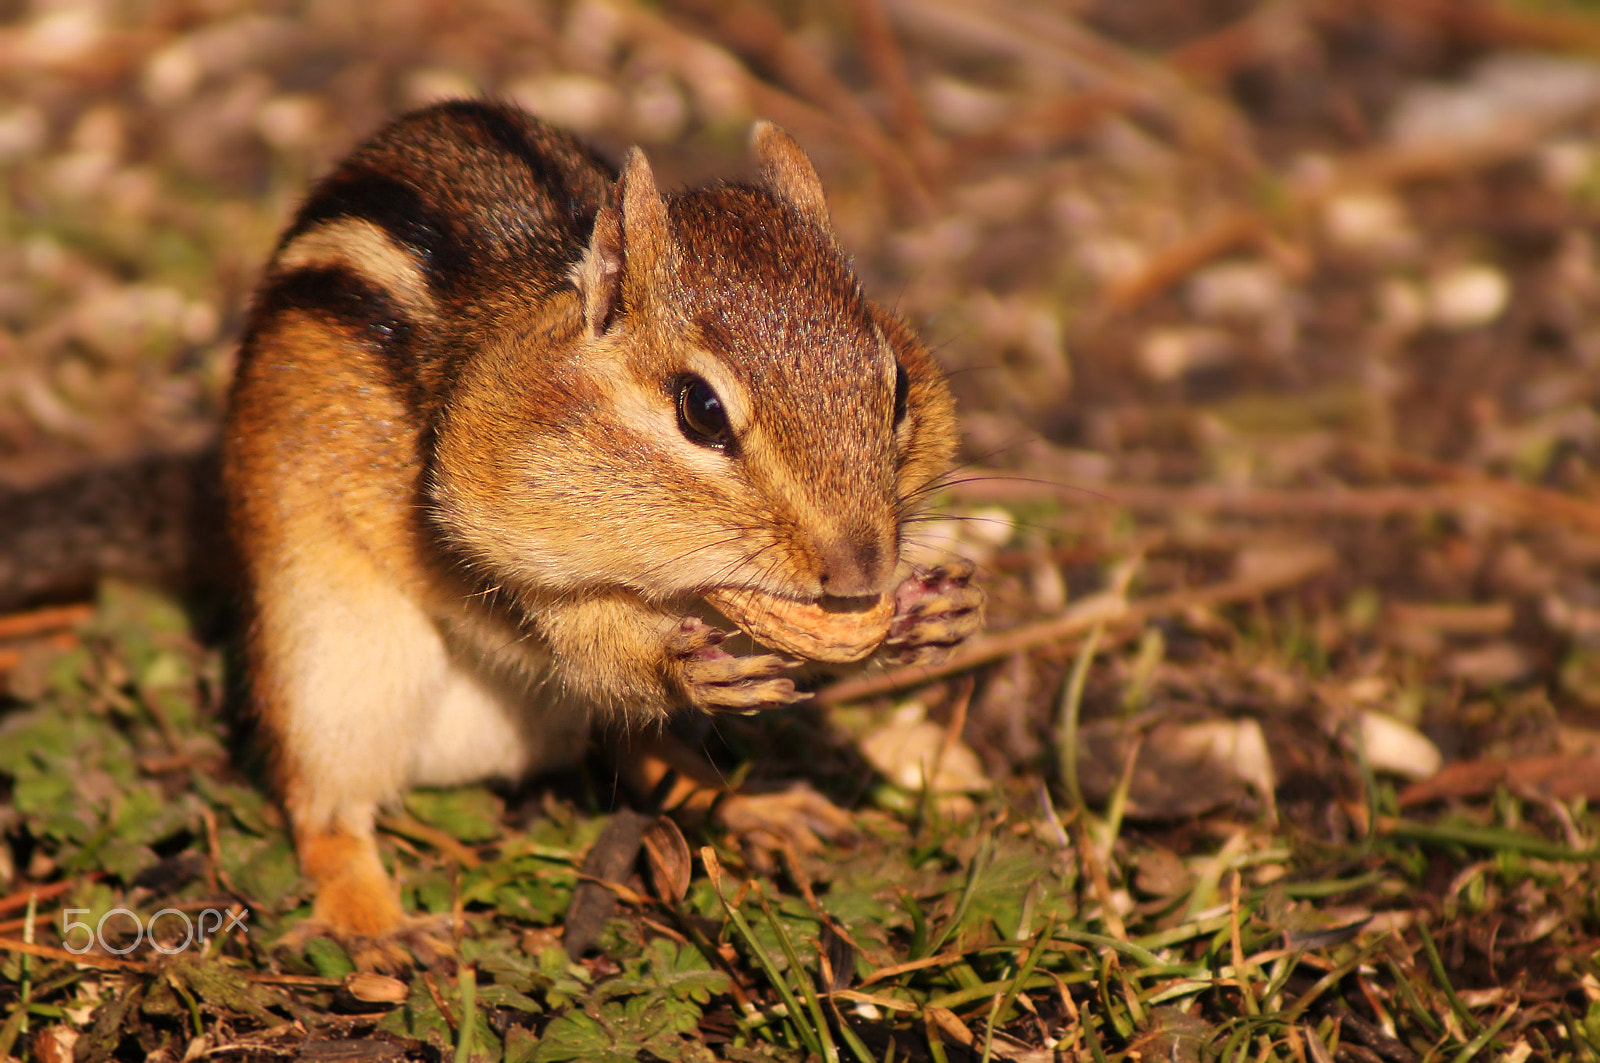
1396 747
669 858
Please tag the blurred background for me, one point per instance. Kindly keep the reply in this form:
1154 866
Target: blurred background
1275 326
1145 237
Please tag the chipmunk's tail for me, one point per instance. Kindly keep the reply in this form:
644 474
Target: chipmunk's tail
156 519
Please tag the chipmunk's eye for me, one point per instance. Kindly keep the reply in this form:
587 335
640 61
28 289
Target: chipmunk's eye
902 390
701 416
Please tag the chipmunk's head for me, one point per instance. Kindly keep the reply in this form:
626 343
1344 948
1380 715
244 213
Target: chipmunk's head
730 409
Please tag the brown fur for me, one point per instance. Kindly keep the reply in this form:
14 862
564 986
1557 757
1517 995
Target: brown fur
468 513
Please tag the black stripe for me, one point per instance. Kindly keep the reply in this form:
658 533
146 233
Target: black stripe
344 297
516 139
548 163
400 211
512 138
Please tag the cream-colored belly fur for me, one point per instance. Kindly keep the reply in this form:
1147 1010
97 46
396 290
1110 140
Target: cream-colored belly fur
380 699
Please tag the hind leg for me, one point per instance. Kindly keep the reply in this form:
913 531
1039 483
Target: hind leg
345 668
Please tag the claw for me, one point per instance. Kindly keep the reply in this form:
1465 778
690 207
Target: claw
716 680
934 612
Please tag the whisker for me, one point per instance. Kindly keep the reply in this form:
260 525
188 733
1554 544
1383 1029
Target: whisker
735 536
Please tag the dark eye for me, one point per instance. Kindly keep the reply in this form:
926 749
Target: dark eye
902 389
701 416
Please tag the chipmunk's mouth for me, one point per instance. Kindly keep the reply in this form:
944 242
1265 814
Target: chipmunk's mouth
836 630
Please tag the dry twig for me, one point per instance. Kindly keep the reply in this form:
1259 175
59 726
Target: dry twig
1059 630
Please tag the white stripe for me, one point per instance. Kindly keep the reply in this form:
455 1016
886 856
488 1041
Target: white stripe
367 250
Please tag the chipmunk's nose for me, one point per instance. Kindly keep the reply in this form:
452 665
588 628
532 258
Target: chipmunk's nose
854 565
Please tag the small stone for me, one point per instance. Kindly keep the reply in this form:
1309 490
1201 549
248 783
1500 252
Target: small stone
1402 307
63 36
1467 297
1369 223
289 122
990 526
959 107
579 102
1236 290
1566 165
22 132
172 74
434 84
904 751
1491 665
1168 353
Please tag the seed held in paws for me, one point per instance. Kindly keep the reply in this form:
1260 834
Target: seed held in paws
836 630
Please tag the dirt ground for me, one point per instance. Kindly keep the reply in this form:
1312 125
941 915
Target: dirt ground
1276 333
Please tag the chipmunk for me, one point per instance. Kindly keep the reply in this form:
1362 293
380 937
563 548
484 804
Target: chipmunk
502 419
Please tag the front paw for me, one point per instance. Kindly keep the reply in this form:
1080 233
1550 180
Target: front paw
934 611
717 681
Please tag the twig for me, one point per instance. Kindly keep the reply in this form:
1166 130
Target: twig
304 981
43 893
1052 121
944 959
1379 166
1098 880
1506 499
105 963
1561 775
952 734
1267 31
1532 500
438 1001
56 623
43 621
887 62
1060 629
408 827
1501 25
790 111
753 31
214 867
1108 79
1236 227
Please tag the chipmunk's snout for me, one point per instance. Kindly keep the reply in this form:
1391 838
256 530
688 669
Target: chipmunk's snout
855 565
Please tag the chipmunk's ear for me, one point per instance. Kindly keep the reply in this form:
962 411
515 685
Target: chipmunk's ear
789 175
630 244
598 275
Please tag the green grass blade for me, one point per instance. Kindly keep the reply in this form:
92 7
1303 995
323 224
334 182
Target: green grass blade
830 1051
1436 965
1418 1010
1480 1042
981 860
852 1040
467 987
770 969
1067 715
1040 946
